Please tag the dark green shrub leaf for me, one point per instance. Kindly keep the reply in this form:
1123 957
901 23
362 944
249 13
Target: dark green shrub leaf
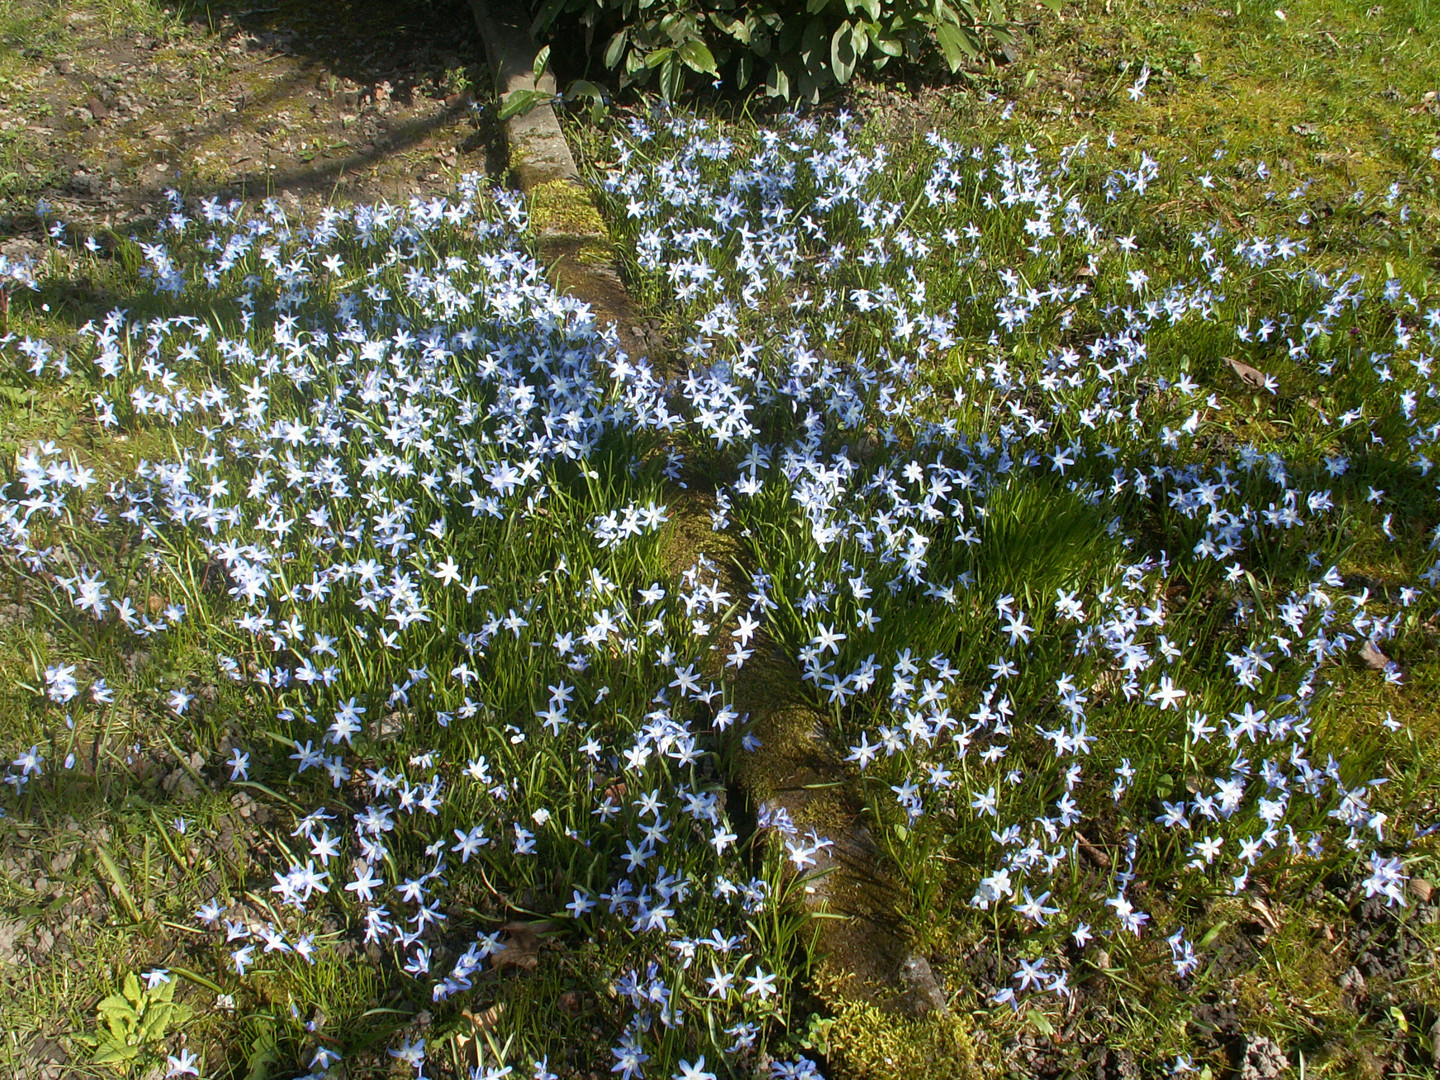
890 46
545 16
672 77
812 41
804 47
583 88
956 43
860 39
520 102
842 53
697 57
615 48
744 70
777 82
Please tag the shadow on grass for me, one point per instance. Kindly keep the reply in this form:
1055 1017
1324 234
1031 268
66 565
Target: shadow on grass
340 56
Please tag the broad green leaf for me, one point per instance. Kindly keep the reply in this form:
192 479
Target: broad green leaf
157 1018
842 53
735 28
677 26
777 82
1041 1023
744 70
114 1004
583 88
520 102
697 57
888 45
789 36
615 48
116 1055
263 1054
672 78
541 59
814 7
1211 934
812 41
956 44
861 40
659 56
545 16
1054 5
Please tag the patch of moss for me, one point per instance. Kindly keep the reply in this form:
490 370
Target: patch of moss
562 208
867 1043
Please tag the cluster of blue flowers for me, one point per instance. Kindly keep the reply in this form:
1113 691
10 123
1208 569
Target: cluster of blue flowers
934 376
969 436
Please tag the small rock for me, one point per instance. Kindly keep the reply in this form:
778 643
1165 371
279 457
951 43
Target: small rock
45 1051
391 726
11 934
1263 1060
1351 980
179 782
923 994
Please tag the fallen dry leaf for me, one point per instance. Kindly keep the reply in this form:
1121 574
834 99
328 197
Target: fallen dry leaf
1263 910
522 947
1250 376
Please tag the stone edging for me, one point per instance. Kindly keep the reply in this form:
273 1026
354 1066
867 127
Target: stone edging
797 773
574 244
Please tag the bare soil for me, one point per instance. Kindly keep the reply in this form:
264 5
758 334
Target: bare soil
310 102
